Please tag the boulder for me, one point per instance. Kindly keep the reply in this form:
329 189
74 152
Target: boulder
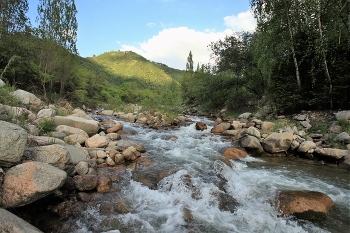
277 142
85 183
28 182
82 168
131 154
342 137
55 155
306 124
11 223
46 113
119 159
234 153
306 146
44 140
332 153
107 112
343 115
96 141
221 127
27 98
201 126
104 182
74 135
245 115
123 144
115 128
251 144
113 136
89 126
309 205
77 154
80 113
254 132
13 140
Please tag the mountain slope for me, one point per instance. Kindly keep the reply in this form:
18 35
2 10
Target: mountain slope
130 67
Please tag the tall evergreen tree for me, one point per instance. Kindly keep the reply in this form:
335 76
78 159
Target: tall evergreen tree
189 64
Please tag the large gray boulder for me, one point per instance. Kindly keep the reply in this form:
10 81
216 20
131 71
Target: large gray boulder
44 140
253 131
77 154
251 144
221 127
80 113
306 146
332 153
74 135
11 223
89 126
28 182
343 115
55 155
343 137
13 140
27 98
277 142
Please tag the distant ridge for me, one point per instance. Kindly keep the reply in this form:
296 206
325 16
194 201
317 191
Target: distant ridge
129 66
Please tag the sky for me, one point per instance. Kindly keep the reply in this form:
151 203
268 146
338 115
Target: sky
163 31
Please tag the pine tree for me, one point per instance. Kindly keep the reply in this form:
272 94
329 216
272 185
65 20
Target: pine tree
189 64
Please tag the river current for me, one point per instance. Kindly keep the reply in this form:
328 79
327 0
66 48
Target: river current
197 191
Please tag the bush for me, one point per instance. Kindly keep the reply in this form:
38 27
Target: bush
46 126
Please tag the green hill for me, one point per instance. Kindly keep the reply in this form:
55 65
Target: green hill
131 67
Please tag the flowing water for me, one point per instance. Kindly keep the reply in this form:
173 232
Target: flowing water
197 191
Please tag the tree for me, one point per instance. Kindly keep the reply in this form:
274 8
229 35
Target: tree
57 21
13 16
58 32
189 64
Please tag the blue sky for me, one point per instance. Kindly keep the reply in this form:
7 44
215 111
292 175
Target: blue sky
160 30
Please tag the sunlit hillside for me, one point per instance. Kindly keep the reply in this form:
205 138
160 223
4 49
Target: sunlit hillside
129 66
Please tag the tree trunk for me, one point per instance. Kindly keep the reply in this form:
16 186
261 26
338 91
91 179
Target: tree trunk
297 73
324 58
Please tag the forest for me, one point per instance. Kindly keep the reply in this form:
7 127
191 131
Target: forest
296 59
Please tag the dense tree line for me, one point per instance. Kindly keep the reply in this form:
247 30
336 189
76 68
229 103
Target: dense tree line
298 58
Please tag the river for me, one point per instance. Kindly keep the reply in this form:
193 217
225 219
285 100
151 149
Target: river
195 190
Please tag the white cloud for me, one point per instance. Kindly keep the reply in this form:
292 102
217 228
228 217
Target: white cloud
244 21
150 24
172 45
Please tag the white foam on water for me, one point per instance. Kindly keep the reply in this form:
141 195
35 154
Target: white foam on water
187 200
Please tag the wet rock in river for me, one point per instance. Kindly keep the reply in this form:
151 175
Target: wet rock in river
234 153
277 142
309 205
201 126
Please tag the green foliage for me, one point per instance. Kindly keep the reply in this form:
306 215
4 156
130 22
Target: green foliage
319 127
345 125
46 126
6 98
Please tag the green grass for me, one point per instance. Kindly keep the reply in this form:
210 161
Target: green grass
345 125
319 127
6 98
46 126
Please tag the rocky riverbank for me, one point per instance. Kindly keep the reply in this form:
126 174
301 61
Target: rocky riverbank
79 161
